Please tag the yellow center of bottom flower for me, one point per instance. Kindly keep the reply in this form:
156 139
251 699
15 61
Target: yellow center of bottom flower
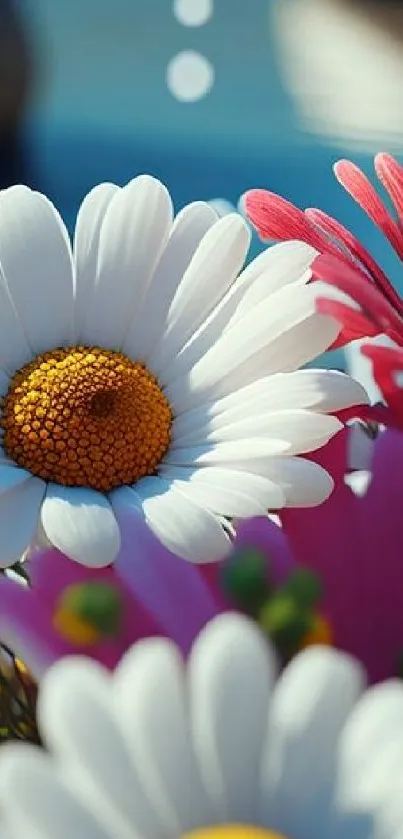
85 416
232 831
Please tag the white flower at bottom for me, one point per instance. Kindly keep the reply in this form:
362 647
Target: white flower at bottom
161 749
142 379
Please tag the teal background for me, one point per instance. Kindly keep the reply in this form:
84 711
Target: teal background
102 110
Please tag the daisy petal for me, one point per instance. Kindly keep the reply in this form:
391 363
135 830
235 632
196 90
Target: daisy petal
86 243
303 482
36 260
41 804
246 451
185 528
80 523
322 390
149 321
300 431
290 262
11 476
14 348
150 690
214 267
310 705
82 733
19 514
231 672
372 729
269 272
133 233
226 491
280 334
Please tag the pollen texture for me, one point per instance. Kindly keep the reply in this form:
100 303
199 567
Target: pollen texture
85 416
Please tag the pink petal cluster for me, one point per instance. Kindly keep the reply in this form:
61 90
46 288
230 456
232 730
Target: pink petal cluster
369 305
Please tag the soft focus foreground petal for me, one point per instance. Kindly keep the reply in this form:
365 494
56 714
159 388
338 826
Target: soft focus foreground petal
36 260
19 515
80 523
232 669
182 525
310 705
214 267
226 492
86 244
149 321
268 273
158 578
372 731
279 335
39 802
151 705
133 233
86 735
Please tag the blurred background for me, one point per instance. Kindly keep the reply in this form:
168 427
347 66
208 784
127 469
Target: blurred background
212 96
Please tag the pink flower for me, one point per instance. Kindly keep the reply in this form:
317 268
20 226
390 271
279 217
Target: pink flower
370 305
354 545
71 609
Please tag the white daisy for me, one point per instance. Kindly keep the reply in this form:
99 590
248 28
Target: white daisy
215 749
141 382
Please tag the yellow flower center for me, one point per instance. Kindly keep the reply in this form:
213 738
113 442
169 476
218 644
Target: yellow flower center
85 416
232 831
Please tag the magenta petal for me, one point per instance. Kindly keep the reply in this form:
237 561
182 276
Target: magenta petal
355 545
26 615
26 629
172 589
50 572
264 535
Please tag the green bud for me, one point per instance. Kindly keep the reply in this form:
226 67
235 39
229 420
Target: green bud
245 580
304 587
283 620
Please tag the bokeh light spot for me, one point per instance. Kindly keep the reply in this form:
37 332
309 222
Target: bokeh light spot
193 12
190 76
